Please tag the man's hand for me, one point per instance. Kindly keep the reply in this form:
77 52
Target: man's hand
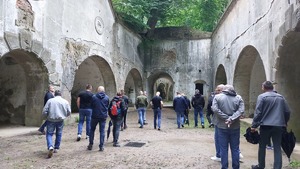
253 130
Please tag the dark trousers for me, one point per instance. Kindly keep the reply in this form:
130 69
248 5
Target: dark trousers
94 123
267 133
208 115
116 129
124 119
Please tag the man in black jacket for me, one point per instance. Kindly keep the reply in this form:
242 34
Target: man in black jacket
198 103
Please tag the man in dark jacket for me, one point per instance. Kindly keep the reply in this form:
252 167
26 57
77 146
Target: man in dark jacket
157 104
198 103
186 112
117 119
179 105
271 114
126 102
100 102
49 95
209 111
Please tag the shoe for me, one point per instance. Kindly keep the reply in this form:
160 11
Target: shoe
55 151
122 128
203 126
141 127
211 125
78 137
87 137
50 153
241 156
182 126
90 147
145 123
269 147
255 167
215 158
158 128
116 145
101 149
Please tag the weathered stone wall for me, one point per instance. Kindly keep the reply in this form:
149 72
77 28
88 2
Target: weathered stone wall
56 38
248 41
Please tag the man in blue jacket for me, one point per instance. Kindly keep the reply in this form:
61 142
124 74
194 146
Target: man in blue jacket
100 102
271 114
180 105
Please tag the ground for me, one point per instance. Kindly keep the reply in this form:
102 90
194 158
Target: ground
169 148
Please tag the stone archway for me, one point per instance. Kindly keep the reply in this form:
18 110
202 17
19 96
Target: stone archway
24 81
248 77
287 75
133 85
162 82
221 77
95 71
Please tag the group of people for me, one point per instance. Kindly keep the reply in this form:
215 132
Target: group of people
225 105
94 108
271 115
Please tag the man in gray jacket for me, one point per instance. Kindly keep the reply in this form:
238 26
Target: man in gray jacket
55 110
271 114
228 107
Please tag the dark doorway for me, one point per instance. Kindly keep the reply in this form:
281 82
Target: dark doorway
199 86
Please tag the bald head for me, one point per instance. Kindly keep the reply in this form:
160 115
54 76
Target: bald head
157 93
219 88
101 89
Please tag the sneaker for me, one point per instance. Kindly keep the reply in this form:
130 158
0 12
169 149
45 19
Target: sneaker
241 156
78 137
50 153
215 158
141 127
203 126
255 167
158 128
55 151
101 149
211 125
116 145
90 147
182 126
269 147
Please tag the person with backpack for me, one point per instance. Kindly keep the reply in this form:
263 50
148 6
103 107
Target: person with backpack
141 105
100 102
198 103
126 102
116 113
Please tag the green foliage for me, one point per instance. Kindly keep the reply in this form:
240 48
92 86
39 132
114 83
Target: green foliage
146 14
295 164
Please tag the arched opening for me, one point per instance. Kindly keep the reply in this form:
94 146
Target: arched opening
220 76
248 77
287 75
162 82
23 81
133 85
95 71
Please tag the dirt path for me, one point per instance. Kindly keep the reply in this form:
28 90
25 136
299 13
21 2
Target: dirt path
169 148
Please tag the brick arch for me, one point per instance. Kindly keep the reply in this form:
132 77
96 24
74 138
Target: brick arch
23 80
133 84
96 71
287 79
220 77
249 74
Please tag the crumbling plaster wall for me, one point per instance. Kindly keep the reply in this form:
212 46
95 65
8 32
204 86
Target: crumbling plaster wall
255 23
182 60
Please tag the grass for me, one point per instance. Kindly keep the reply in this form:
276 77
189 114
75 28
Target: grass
294 164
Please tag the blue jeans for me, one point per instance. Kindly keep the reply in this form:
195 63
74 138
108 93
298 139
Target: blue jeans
266 133
85 113
94 123
157 116
229 137
196 112
217 144
141 112
116 129
58 128
180 118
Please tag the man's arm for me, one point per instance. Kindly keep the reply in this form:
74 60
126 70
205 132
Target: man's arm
258 114
240 110
78 102
215 109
